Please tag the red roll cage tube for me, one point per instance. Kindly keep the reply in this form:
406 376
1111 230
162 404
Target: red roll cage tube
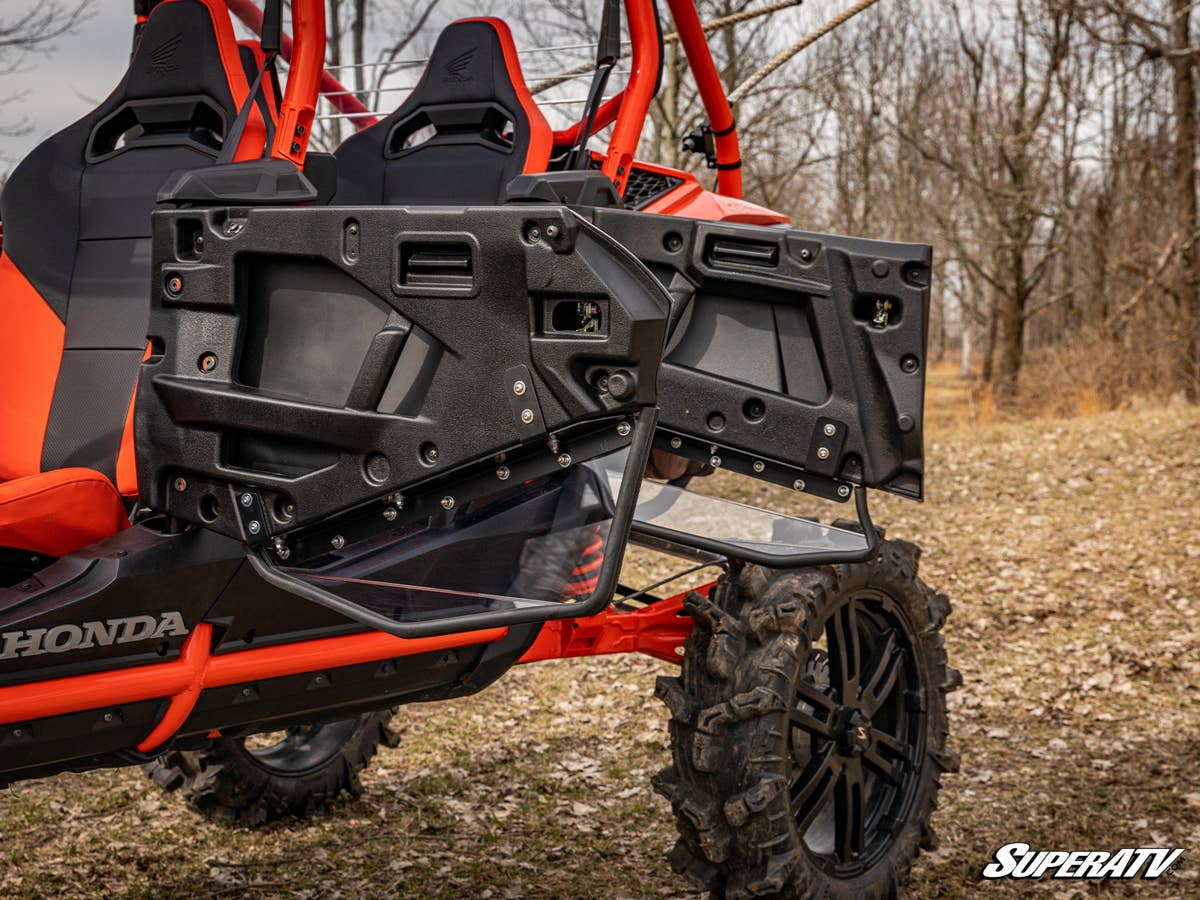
627 109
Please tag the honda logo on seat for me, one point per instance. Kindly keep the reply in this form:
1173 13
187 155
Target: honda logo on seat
162 57
457 67
65 638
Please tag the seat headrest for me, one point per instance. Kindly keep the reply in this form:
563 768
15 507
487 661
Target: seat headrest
473 60
469 126
186 53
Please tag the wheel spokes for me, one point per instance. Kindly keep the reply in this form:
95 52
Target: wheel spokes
808 722
881 675
810 795
886 770
815 697
841 633
890 746
849 811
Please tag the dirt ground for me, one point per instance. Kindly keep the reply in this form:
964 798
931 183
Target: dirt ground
1072 554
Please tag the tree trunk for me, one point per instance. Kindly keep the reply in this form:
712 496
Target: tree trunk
1012 345
989 347
359 34
1184 82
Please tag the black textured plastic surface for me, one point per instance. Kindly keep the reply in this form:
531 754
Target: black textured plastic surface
778 333
230 384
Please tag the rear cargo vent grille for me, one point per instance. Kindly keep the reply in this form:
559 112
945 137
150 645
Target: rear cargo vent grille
644 187
436 265
726 252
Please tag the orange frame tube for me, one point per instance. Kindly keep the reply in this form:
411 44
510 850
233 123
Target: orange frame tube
658 630
306 56
252 17
181 681
639 91
712 93
299 104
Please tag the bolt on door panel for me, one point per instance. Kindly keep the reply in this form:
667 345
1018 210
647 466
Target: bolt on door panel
306 361
793 357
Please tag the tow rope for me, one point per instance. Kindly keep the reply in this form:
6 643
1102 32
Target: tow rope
807 41
670 38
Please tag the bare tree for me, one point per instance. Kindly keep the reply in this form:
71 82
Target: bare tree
33 30
1150 33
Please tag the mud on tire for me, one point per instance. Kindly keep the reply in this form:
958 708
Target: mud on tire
808 730
307 769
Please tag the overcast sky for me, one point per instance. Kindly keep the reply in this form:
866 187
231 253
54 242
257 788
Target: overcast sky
61 85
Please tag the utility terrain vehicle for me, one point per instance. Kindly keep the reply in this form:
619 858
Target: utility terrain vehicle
291 439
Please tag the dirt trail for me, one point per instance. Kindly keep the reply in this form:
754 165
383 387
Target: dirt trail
1072 552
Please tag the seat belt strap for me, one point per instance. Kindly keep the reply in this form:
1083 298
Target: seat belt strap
608 51
234 138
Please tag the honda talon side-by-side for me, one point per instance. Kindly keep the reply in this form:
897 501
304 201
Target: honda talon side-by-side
290 439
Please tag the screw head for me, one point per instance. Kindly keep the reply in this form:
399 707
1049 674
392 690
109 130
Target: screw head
282 551
624 428
246 692
390 513
18 732
535 233
527 416
806 254
552 231
822 453
564 459
254 526
447 503
676 443
108 717
208 362
714 461
320 679
843 491
798 484
174 285
830 429
758 465
180 485
232 228
246 500
337 542
502 473
519 388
